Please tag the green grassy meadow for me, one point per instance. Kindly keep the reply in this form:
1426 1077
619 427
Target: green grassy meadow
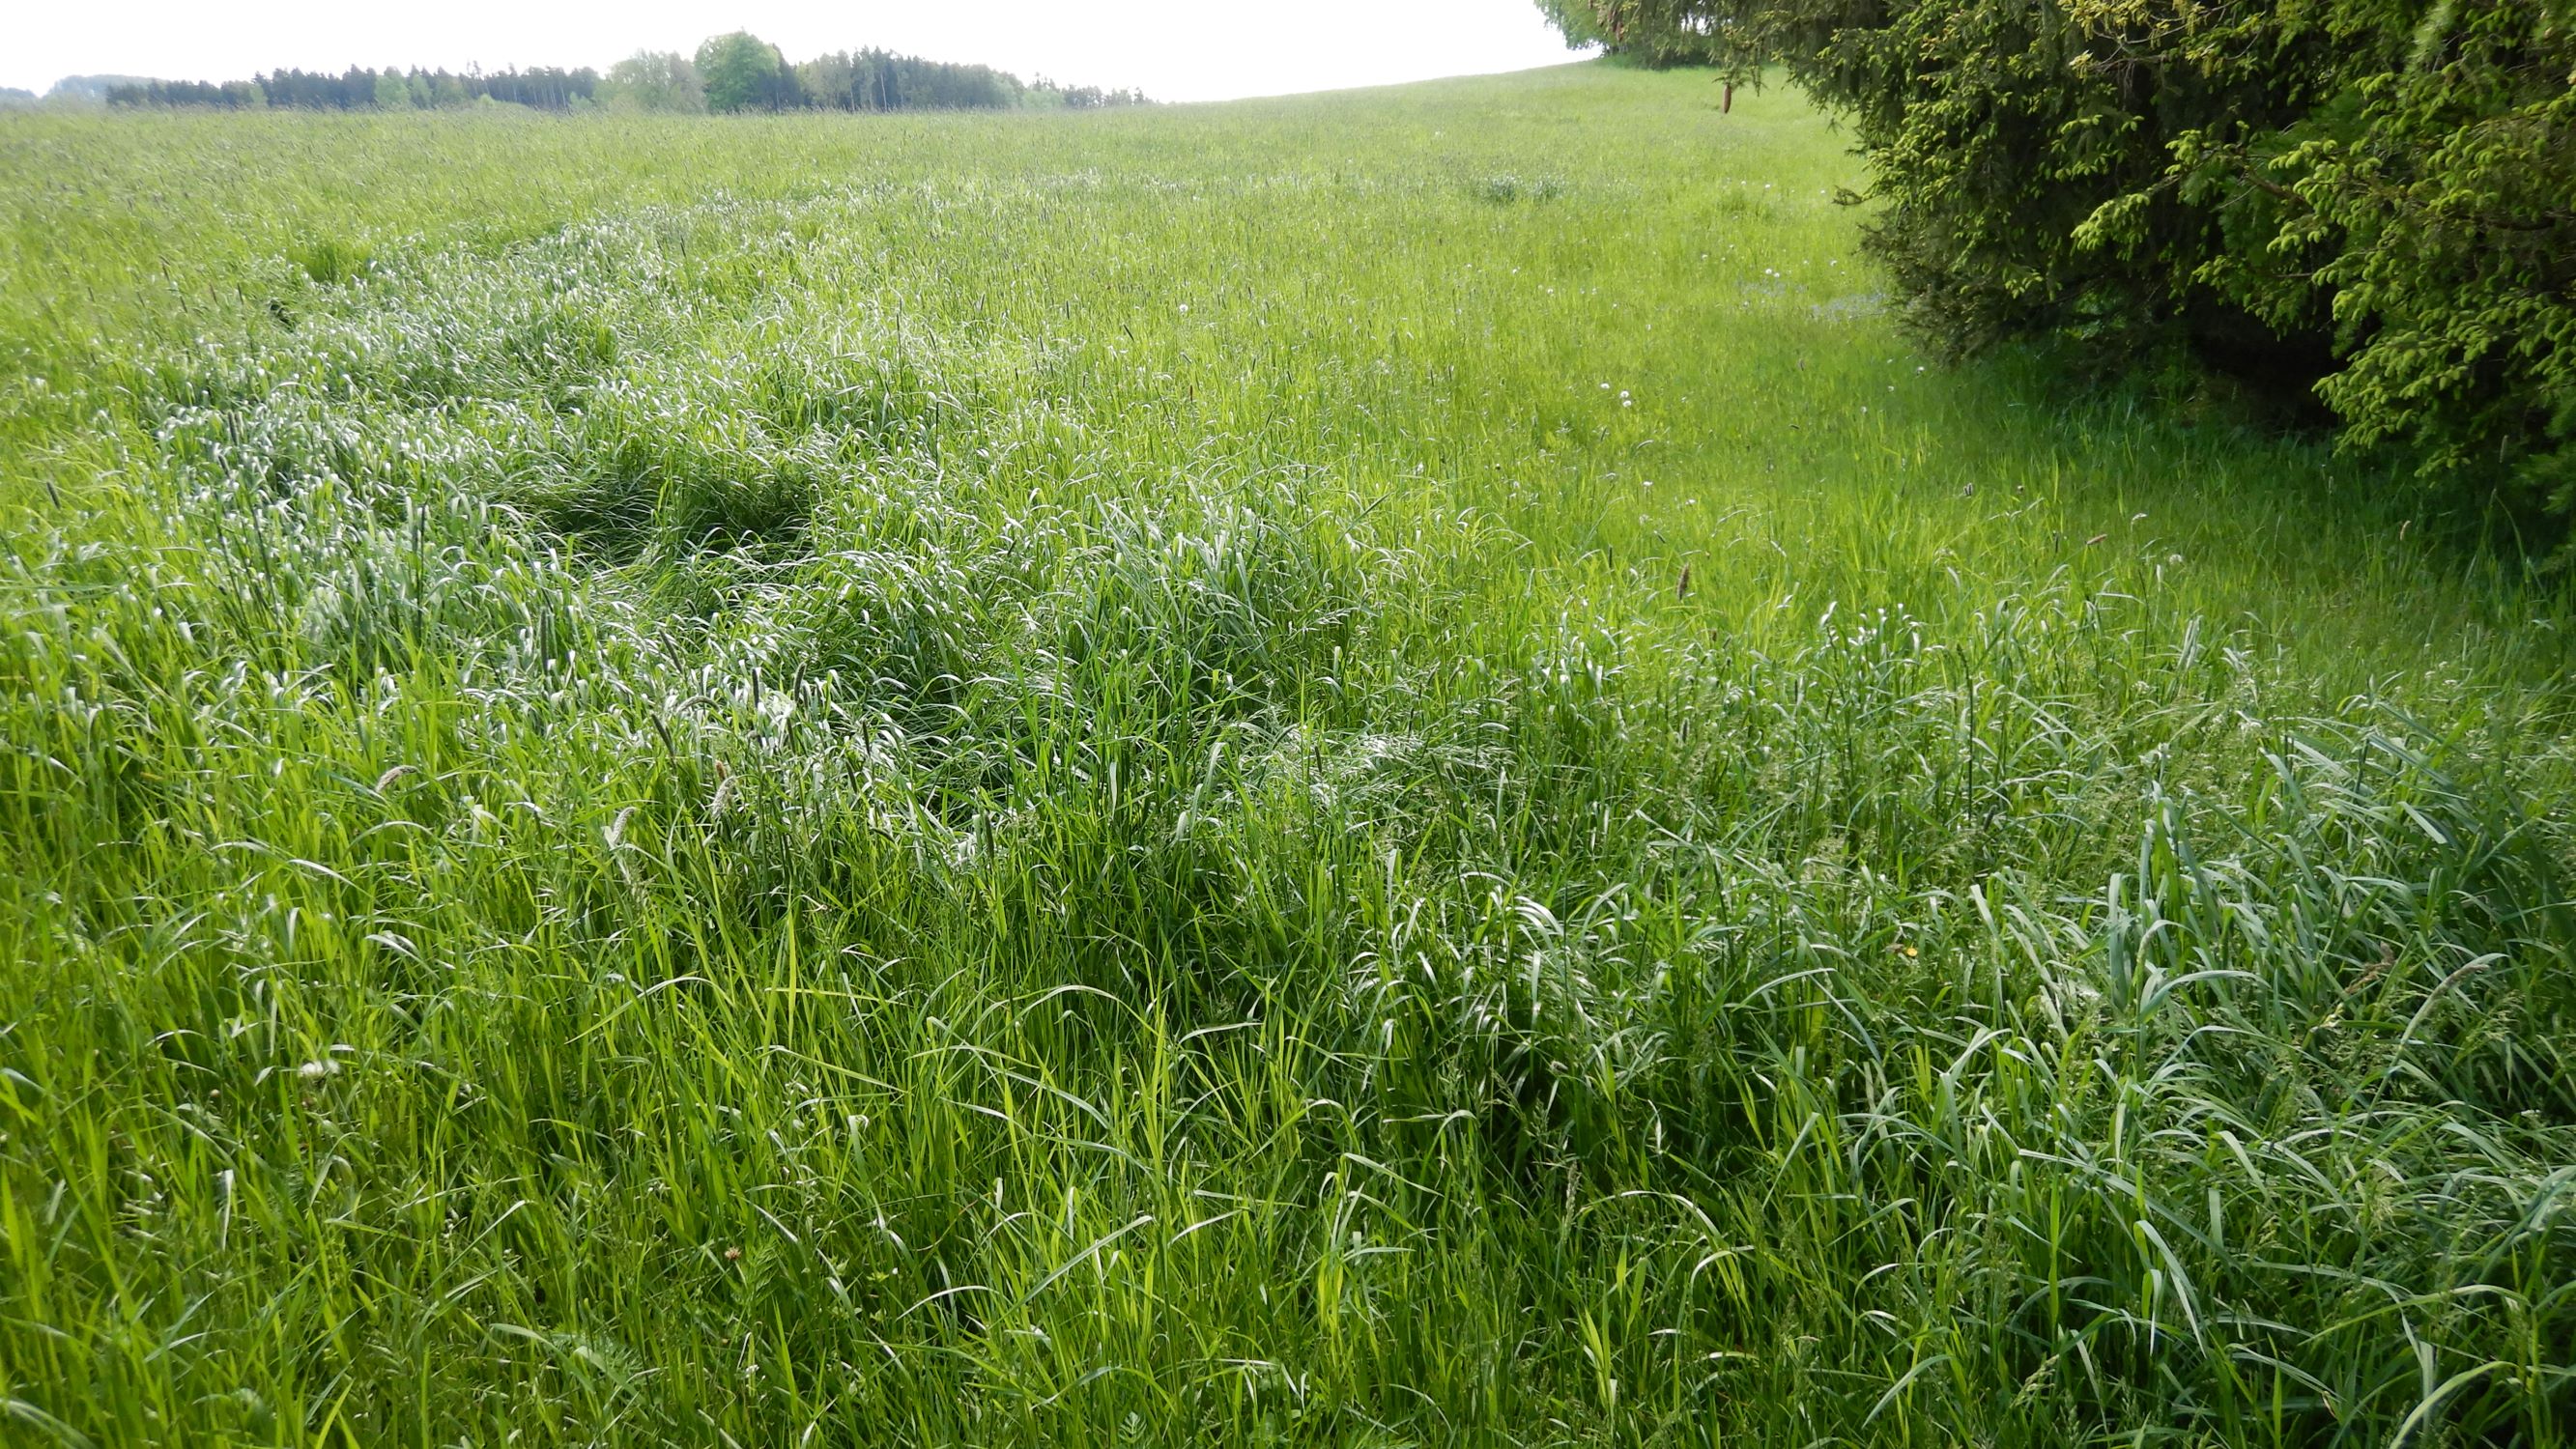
1366 769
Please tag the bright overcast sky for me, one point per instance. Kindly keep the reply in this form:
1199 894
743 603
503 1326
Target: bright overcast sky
1178 50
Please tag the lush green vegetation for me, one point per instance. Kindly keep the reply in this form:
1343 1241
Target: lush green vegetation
2370 200
1364 769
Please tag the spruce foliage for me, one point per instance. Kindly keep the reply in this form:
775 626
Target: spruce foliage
2375 199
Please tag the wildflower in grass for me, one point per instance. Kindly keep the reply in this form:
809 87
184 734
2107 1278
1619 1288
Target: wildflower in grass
315 1071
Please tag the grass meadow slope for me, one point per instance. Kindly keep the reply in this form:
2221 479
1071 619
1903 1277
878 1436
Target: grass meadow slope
1370 769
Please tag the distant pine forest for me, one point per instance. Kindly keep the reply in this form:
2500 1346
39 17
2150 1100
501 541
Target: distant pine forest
737 72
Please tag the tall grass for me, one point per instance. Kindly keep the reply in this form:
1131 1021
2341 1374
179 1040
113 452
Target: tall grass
1366 769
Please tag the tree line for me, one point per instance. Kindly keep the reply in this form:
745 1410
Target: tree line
2373 200
730 73
742 72
360 89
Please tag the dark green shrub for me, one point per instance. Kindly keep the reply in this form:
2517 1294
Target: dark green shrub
2373 197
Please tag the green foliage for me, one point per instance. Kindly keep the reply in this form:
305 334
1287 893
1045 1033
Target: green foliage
654 81
742 72
230 96
2434 192
1581 21
878 80
361 89
1368 770
2377 196
1664 33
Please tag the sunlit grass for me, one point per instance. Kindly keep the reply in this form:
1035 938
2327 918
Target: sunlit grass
1364 769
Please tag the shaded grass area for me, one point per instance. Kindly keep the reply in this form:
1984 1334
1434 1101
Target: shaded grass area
1373 768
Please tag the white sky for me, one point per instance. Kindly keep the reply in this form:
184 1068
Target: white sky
1177 50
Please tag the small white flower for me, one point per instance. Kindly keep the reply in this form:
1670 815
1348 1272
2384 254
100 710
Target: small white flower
316 1071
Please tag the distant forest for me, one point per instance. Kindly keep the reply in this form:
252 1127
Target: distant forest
730 73
359 89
